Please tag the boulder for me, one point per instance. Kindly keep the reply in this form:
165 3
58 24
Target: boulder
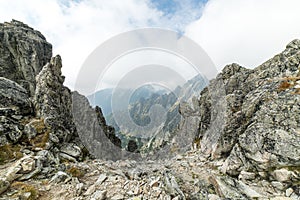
15 97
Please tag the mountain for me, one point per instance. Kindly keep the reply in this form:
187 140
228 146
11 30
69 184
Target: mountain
152 121
103 98
239 138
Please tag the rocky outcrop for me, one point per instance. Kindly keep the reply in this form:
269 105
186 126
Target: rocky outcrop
14 96
14 106
24 51
35 108
259 137
99 139
259 96
41 113
53 101
109 131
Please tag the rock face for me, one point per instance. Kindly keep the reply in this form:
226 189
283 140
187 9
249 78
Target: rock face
33 98
269 136
53 101
24 51
35 108
260 131
259 103
14 95
14 105
109 131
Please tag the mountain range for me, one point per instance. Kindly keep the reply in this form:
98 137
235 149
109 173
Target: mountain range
236 137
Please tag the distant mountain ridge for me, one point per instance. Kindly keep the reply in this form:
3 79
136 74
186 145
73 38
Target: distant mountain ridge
156 127
103 98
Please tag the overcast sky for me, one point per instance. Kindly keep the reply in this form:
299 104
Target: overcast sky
247 32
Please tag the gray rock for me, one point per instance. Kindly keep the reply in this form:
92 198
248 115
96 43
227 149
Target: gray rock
53 101
30 130
24 51
3 140
117 197
30 175
90 190
71 149
172 186
28 165
14 95
67 157
15 134
260 131
79 188
99 195
4 185
53 138
246 175
59 177
289 192
92 130
282 175
101 179
248 191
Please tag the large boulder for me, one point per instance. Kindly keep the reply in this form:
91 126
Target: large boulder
12 95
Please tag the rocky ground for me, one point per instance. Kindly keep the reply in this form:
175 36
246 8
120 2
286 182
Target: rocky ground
187 176
245 127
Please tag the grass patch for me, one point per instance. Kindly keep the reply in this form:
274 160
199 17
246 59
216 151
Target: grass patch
39 126
25 188
75 172
284 86
42 134
40 140
9 152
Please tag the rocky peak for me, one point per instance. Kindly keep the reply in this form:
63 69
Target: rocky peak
24 51
53 101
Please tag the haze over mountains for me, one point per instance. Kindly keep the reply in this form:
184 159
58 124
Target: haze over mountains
144 122
103 98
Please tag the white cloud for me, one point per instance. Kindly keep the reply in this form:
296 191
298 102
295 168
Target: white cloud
247 32
76 28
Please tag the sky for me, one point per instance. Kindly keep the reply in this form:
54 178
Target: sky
247 32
